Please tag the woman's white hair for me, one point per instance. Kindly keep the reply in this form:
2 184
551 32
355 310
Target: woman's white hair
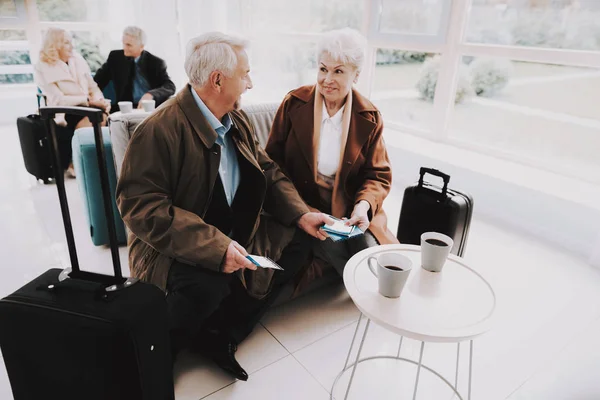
136 33
213 51
345 45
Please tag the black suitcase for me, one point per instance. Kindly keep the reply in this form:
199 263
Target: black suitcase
79 335
431 208
36 149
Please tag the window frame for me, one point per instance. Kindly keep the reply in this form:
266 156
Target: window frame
20 22
451 51
418 39
449 41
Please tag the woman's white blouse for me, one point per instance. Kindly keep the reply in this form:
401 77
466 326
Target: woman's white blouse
330 142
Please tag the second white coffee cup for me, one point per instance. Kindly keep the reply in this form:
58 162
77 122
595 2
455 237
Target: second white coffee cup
125 107
392 271
148 105
435 248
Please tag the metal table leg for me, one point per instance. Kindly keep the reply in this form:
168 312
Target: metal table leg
418 370
457 364
353 339
362 342
400 346
470 367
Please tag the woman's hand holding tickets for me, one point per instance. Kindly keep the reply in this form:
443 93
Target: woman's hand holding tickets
360 215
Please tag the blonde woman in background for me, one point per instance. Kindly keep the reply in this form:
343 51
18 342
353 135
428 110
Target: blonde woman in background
65 78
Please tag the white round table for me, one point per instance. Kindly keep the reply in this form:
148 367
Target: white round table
452 306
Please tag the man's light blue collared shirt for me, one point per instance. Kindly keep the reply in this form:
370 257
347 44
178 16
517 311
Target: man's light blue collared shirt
229 169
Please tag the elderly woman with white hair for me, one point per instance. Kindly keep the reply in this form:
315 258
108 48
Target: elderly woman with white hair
328 139
65 78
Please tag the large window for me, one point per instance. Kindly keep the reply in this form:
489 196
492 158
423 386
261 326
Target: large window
534 68
72 10
96 26
513 78
422 17
8 9
308 16
517 79
91 22
403 86
279 65
283 35
12 35
534 111
15 63
94 46
560 24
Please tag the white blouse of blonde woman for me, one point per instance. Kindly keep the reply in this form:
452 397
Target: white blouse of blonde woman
334 82
65 77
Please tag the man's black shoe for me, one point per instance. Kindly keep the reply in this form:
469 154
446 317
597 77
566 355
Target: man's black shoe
223 354
222 351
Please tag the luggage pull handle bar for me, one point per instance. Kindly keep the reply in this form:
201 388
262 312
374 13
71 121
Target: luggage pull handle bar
95 117
40 97
438 173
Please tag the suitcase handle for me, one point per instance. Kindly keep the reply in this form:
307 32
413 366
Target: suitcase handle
41 96
94 114
433 171
95 117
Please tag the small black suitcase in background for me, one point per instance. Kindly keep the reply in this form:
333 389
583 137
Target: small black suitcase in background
431 208
36 149
79 335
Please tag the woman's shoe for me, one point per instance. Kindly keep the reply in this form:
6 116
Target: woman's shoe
70 172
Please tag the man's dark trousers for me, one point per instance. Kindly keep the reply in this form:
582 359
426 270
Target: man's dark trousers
200 299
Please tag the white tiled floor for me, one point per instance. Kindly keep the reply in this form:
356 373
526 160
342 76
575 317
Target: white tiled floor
544 344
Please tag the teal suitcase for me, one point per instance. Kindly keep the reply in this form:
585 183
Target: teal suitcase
85 163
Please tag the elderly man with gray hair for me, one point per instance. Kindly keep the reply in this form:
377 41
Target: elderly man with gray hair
204 197
135 73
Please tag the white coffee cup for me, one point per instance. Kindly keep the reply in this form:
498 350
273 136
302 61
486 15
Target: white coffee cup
125 106
392 271
148 105
435 248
